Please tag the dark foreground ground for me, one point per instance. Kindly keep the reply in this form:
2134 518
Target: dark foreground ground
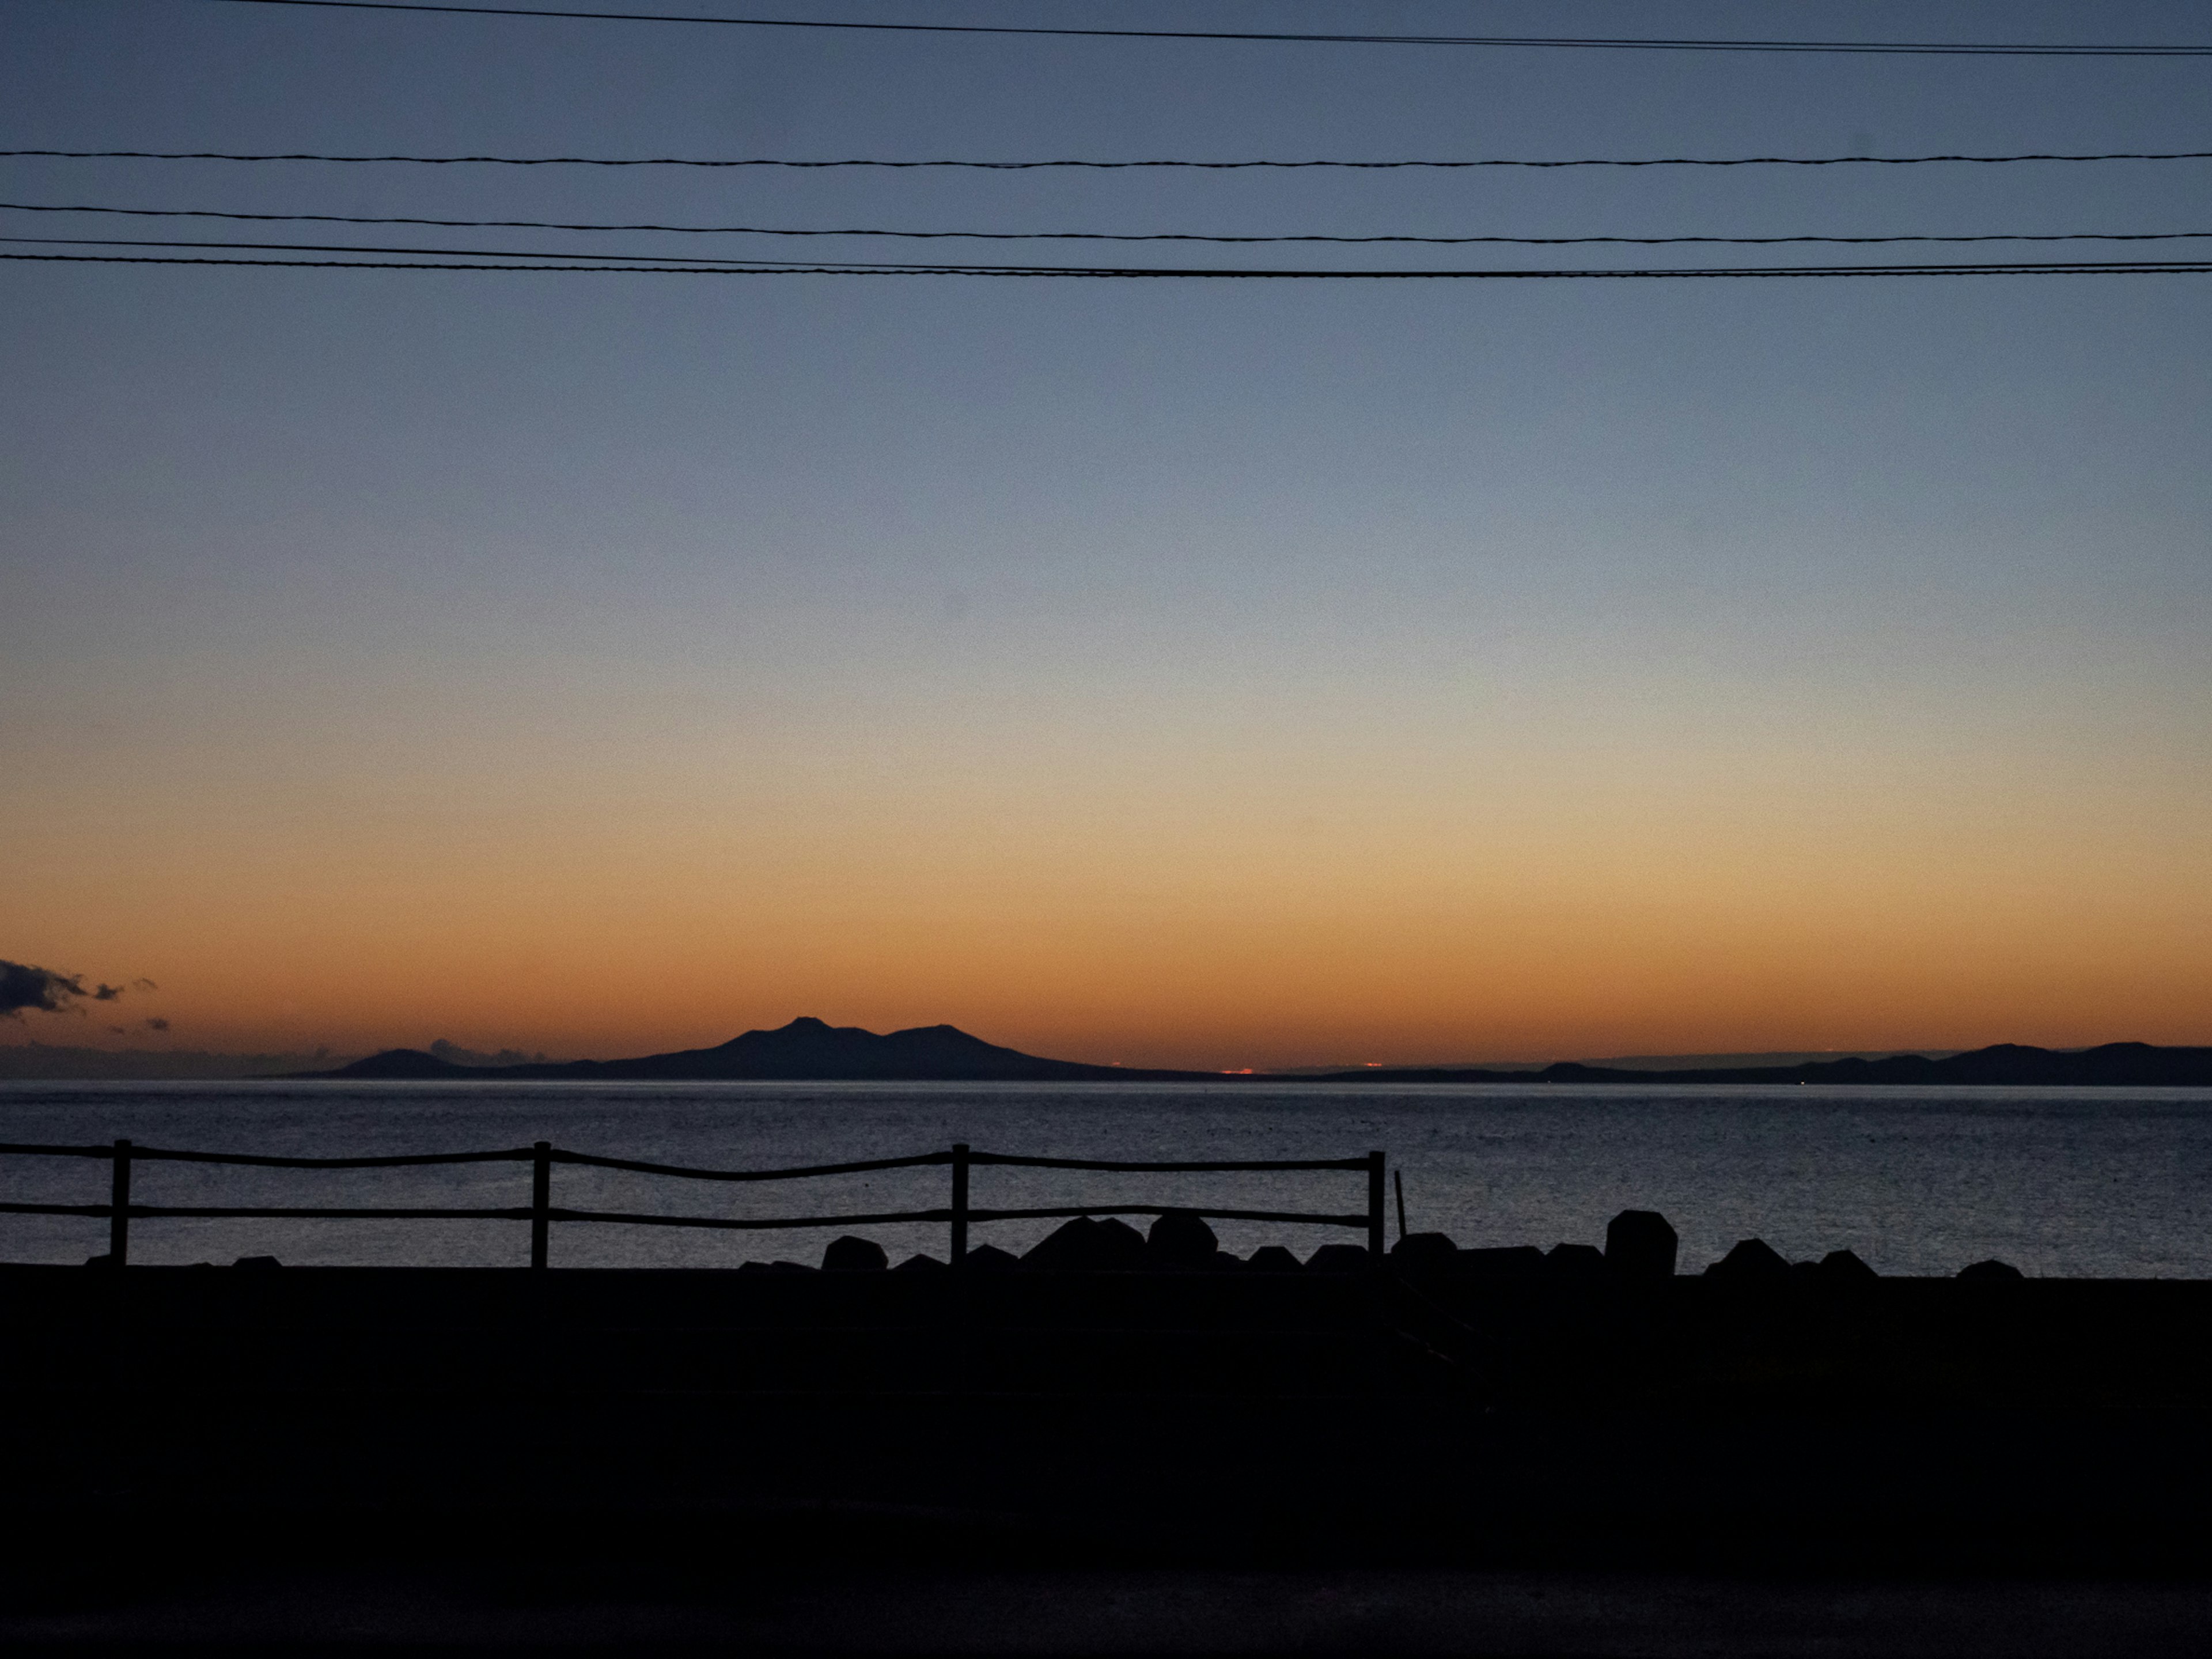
1005 1462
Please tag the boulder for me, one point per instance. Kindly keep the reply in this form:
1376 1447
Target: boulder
987 1259
1991 1272
1580 1261
1272 1259
1089 1245
1424 1250
1842 1267
1338 1259
919 1264
1640 1245
259 1263
100 1261
1226 1261
1752 1261
1181 1238
850 1255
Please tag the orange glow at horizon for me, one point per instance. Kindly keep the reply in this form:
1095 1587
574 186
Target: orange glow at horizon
1571 912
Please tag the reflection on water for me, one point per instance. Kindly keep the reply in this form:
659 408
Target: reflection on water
2091 1183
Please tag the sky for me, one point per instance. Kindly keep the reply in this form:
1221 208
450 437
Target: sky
1177 673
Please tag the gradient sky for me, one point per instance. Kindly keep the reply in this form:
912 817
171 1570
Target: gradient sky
1228 674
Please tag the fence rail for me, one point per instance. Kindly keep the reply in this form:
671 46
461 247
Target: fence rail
541 1213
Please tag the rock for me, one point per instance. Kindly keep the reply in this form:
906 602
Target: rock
1225 1262
100 1261
1088 1245
1424 1250
1338 1259
1844 1268
1506 1262
1753 1262
988 1259
1181 1238
919 1264
259 1263
1991 1272
850 1255
1272 1259
1581 1261
1640 1245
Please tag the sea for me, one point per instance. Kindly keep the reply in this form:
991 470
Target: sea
2096 1183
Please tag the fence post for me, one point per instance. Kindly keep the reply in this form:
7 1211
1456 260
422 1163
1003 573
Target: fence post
118 1208
541 1199
1375 1205
959 1200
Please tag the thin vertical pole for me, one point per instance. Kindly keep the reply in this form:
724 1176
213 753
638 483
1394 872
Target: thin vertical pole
541 1199
1398 1179
1375 1203
959 1200
118 1208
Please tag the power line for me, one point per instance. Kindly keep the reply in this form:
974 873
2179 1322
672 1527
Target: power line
1106 166
459 258
1106 235
1886 48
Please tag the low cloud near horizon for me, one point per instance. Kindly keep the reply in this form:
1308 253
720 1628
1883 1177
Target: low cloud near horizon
448 1050
42 990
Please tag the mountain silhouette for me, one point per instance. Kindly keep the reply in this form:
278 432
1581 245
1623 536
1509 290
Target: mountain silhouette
807 1049
812 1050
2011 1065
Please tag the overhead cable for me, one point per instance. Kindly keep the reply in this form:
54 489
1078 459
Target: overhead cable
1107 167
473 260
1886 48
1108 235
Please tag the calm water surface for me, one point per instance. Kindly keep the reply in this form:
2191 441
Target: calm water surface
2072 1181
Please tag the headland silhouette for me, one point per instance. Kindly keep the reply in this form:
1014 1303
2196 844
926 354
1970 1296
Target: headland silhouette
812 1050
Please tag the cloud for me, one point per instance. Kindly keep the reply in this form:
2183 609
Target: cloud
44 991
157 1023
448 1050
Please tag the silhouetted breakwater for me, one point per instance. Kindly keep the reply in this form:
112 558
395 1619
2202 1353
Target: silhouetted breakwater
1114 1393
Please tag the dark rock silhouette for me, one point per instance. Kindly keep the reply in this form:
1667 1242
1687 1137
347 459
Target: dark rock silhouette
806 1049
1087 1245
1180 1239
1504 1262
1752 1261
988 1259
1338 1259
256 1263
851 1255
1575 1261
1639 1244
1272 1259
1991 1272
1424 1249
1845 1268
919 1264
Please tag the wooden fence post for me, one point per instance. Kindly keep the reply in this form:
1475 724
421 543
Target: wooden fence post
118 1208
959 1200
541 1199
1375 1205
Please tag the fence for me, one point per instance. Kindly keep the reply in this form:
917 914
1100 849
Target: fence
541 1212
